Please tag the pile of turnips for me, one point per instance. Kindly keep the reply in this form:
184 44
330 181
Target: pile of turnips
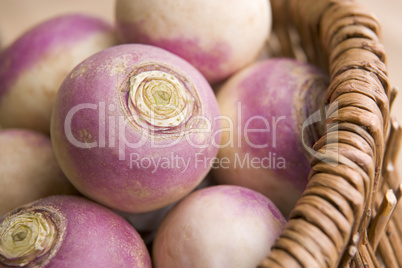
117 152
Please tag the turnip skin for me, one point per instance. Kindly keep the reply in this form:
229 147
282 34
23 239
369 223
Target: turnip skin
100 172
34 66
218 226
87 235
284 92
28 169
217 37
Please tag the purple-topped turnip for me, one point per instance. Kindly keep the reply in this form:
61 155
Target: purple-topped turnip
34 66
28 169
264 108
217 37
65 232
132 125
218 226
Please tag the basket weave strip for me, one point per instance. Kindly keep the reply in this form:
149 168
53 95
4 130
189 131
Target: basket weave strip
360 82
329 225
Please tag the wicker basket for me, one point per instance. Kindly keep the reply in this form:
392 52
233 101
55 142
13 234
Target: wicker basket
347 216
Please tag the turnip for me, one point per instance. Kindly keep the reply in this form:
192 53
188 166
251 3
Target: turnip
218 226
132 125
264 107
217 37
62 231
28 169
34 66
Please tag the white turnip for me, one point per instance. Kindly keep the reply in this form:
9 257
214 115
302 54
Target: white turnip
34 66
218 226
67 231
130 124
217 37
264 107
28 169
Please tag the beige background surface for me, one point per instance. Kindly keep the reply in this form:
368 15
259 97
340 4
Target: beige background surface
16 16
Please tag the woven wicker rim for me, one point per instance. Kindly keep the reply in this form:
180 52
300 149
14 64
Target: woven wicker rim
334 223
